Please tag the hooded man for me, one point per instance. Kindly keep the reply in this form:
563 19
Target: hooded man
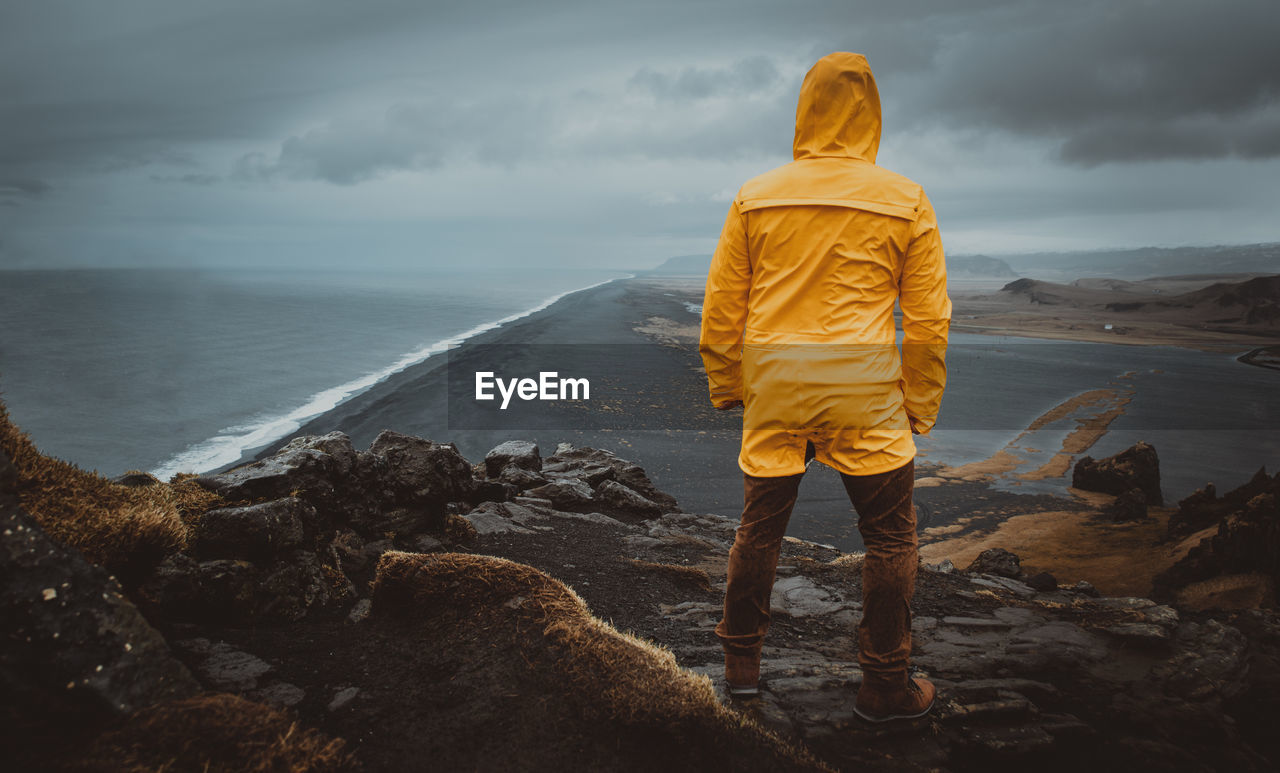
798 328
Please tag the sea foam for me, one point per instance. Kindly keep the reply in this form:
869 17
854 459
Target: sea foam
231 443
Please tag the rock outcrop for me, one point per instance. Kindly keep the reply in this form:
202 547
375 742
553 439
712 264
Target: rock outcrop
310 522
1129 506
1134 467
1238 565
74 643
490 585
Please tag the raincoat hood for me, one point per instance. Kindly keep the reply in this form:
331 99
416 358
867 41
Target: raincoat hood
839 110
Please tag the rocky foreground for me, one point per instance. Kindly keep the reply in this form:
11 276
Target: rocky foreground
399 607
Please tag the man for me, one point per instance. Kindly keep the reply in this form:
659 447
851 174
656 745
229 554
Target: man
798 325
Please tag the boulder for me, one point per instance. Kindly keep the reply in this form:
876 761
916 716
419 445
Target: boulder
997 561
73 642
596 466
566 494
1129 506
255 532
420 472
308 466
522 454
520 478
617 498
1137 466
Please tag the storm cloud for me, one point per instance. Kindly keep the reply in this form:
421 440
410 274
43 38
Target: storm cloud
149 131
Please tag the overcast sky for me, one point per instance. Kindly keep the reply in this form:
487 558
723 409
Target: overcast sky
601 134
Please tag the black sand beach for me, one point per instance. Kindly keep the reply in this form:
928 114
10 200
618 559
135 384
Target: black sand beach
637 339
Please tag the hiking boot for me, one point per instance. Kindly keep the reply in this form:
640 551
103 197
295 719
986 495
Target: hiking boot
880 700
742 674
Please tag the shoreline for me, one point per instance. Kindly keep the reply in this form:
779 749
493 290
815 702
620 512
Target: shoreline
270 430
645 329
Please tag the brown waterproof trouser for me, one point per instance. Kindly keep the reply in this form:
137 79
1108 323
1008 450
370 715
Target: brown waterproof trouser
887 520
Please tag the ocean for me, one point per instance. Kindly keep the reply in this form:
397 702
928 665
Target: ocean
169 370
185 371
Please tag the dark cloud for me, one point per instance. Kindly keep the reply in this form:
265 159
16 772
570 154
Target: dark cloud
1117 81
745 77
724 113
266 120
22 187
189 179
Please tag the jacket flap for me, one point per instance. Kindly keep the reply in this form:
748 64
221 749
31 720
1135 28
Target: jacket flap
880 207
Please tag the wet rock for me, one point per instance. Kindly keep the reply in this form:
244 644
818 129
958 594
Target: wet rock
1129 506
566 494
73 643
503 517
996 561
568 458
942 567
521 479
308 465
1137 466
614 496
521 454
255 532
798 596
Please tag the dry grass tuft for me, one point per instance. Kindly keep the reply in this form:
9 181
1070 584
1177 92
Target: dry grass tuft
128 530
214 733
621 685
459 530
685 575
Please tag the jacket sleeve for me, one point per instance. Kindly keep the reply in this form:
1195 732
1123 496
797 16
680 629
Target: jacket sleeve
926 320
724 310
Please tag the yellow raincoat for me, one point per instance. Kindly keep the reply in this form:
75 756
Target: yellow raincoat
797 320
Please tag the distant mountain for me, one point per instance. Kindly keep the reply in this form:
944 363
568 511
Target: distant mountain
1149 262
969 266
1253 301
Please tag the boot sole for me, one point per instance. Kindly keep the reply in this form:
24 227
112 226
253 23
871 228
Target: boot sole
744 689
890 717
